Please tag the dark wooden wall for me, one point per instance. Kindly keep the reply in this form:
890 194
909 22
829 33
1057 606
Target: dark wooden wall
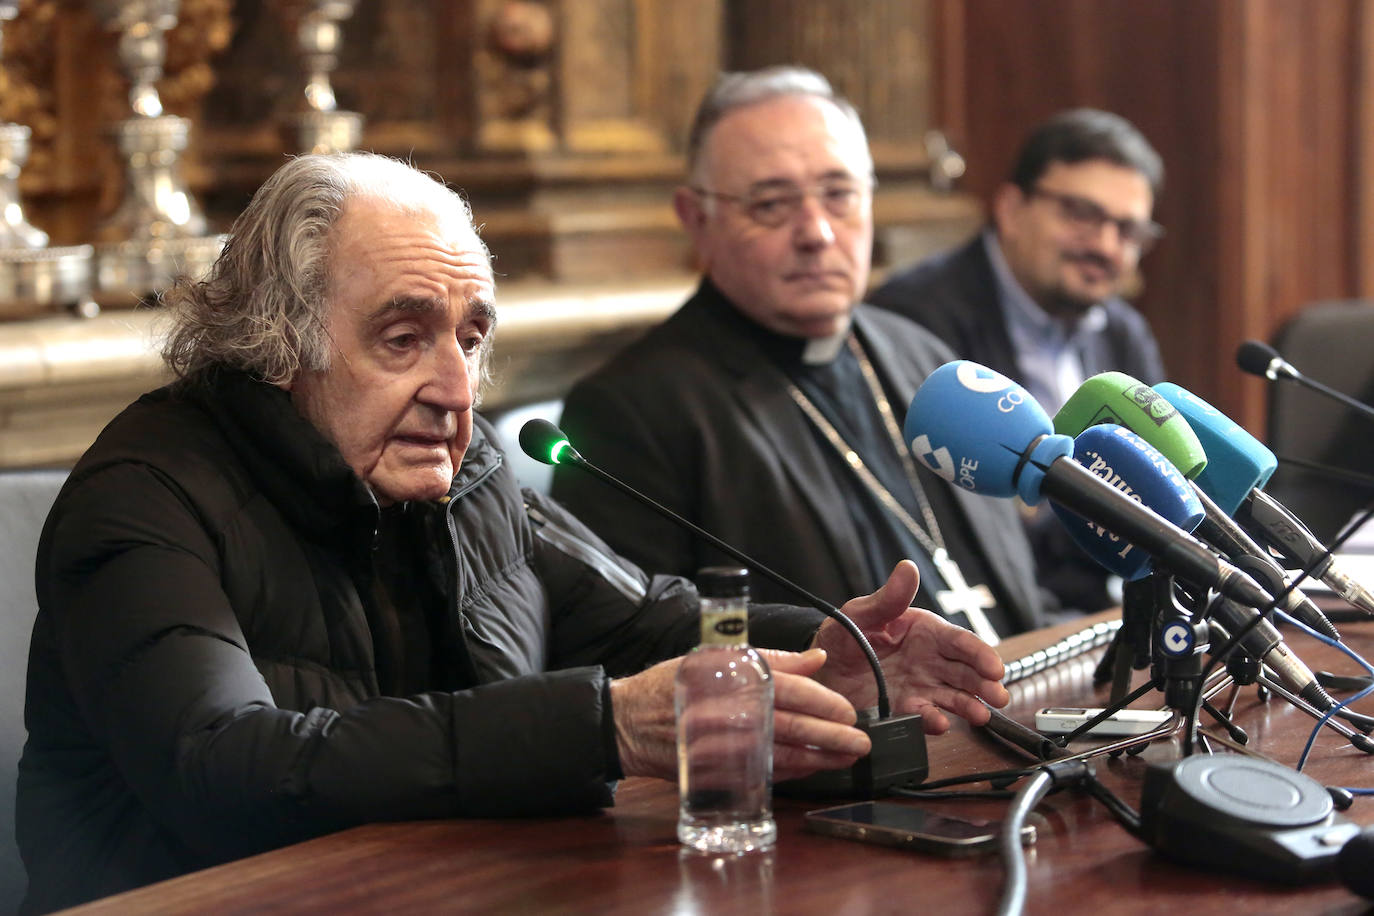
1260 109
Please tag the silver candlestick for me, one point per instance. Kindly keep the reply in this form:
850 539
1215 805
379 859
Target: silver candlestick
33 277
322 127
157 233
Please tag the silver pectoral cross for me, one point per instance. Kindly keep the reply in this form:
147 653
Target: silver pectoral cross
959 598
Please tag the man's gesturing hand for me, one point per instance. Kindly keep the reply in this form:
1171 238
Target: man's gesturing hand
931 665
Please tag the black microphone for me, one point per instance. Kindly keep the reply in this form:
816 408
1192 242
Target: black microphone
1223 533
1279 526
898 758
1260 359
1299 547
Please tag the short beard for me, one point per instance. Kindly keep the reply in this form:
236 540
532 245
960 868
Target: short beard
1061 305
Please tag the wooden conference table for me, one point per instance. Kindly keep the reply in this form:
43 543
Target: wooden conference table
627 860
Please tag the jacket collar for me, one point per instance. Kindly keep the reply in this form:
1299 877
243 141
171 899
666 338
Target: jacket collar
301 472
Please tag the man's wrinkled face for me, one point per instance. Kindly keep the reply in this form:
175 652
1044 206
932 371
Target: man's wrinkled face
781 213
1075 239
410 308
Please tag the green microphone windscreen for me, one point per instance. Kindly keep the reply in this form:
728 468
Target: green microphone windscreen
1115 397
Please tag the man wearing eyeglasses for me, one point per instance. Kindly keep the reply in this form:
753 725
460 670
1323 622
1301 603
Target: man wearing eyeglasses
768 408
1037 294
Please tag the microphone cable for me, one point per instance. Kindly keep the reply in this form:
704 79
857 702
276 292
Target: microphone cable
1364 517
1233 642
1034 747
1013 901
1327 714
1048 778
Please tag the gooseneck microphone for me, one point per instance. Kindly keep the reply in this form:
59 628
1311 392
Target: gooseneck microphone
981 431
1279 527
1258 358
898 757
543 441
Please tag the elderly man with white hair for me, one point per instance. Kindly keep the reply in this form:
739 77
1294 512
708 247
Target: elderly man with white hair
299 589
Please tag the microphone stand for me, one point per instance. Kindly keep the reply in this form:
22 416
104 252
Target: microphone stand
1179 638
1244 670
1131 647
1174 640
1170 629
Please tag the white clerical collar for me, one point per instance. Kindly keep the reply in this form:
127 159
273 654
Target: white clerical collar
822 350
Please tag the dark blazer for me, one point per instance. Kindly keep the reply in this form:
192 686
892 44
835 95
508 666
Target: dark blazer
956 296
696 416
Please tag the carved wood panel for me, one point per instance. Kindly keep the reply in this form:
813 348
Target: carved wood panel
27 75
878 55
62 78
561 118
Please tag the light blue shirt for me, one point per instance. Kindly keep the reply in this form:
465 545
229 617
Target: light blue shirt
1047 349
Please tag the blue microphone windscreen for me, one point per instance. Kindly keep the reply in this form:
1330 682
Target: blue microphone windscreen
1237 462
1139 471
971 426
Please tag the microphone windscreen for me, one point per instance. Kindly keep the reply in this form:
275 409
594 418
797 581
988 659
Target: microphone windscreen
1254 357
1115 397
1237 462
1355 864
540 439
1140 472
971 426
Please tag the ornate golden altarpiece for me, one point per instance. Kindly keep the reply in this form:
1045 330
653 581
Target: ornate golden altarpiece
562 120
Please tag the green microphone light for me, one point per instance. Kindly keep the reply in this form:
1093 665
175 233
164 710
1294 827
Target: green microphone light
547 444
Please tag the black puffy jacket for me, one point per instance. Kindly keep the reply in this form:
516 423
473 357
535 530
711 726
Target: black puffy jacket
202 683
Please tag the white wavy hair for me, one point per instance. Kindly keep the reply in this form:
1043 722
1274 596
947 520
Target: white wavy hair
262 307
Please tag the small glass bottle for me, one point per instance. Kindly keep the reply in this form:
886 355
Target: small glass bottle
724 706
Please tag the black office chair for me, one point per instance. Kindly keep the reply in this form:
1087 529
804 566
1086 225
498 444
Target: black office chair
25 497
1332 343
